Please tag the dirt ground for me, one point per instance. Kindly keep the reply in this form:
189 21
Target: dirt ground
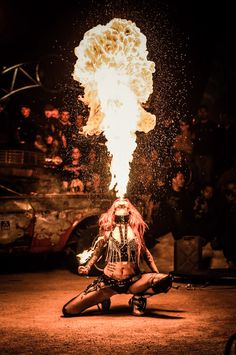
189 319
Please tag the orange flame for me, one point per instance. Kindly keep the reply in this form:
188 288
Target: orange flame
112 66
84 256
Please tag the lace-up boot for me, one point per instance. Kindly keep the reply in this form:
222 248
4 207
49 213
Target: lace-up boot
105 305
138 303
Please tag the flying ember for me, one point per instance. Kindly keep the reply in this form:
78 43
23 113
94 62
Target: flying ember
112 66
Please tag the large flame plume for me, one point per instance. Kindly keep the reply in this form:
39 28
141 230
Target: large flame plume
112 66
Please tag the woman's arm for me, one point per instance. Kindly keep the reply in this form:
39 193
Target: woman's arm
149 259
99 248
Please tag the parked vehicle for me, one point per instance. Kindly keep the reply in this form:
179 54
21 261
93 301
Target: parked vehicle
35 217
45 223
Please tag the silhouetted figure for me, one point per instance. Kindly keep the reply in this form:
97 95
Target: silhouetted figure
170 210
25 128
204 146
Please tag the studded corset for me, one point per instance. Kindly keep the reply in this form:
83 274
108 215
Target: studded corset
124 250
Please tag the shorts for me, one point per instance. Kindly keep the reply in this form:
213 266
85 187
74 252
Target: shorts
119 286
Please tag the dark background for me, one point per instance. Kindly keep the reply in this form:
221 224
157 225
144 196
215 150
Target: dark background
191 43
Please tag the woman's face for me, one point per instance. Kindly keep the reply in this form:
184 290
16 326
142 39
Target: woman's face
121 207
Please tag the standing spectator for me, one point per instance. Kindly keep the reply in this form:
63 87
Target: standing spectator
204 146
226 149
6 126
181 162
207 214
93 162
94 185
26 128
65 128
96 172
228 219
226 177
179 206
55 113
172 211
47 122
51 149
44 122
77 136
73 173
183 142
55 124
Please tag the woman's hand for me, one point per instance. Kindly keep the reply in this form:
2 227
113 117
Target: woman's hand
83 270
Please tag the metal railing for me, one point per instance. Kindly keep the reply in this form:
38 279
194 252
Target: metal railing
21 158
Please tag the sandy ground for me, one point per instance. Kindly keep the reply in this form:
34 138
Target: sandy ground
187 320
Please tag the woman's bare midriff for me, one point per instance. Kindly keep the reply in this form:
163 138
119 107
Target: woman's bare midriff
121 270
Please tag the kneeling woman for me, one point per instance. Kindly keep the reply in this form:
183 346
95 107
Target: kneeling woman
121 235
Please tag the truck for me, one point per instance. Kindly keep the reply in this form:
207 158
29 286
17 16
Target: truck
36 217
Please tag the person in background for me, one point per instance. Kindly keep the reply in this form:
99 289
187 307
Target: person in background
204 146
73 172
93 184
26 128
228 223
207 214
65 126
183 141
171 211
77 136
51 149
6 126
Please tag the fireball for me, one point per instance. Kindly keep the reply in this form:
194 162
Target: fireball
112 66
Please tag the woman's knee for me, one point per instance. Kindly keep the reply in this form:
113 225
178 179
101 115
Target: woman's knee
161 283
67 309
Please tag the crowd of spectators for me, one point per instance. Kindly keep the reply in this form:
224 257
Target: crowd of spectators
194 191
80 162
189 184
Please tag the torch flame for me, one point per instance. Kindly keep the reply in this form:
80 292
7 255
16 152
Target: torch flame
112 66
84 256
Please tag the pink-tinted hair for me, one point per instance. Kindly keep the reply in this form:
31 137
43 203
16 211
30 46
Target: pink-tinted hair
136 222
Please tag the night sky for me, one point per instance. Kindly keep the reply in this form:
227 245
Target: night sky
184 38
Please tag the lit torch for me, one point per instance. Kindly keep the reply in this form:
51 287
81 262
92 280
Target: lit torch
112 66
84 256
